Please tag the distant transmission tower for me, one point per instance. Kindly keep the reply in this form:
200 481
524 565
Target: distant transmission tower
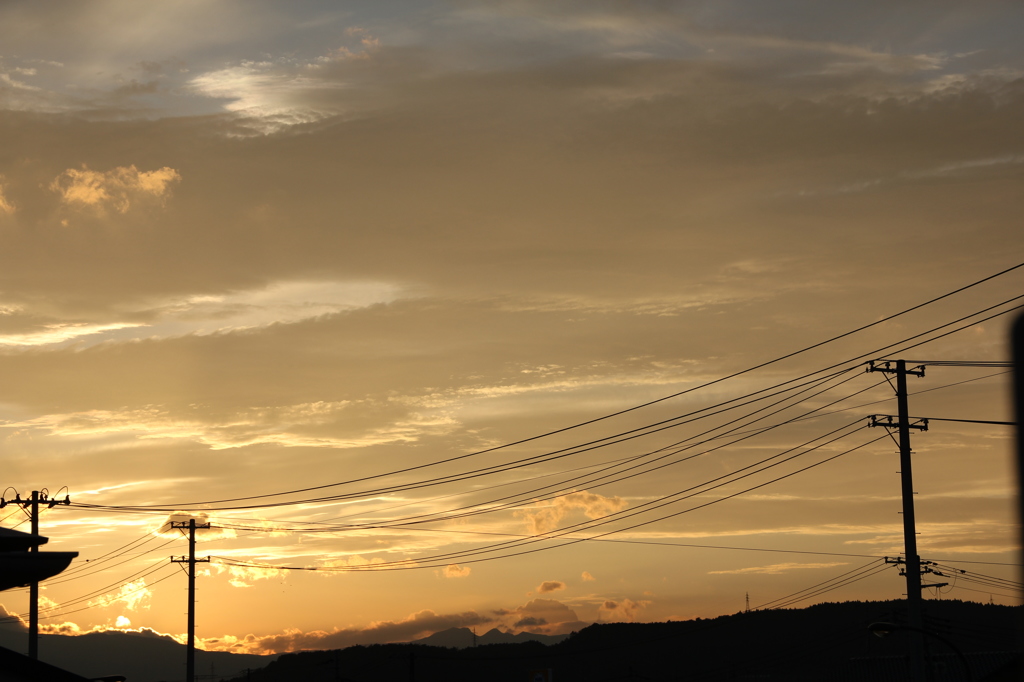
748 602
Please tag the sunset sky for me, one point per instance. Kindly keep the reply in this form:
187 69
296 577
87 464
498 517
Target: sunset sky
256 248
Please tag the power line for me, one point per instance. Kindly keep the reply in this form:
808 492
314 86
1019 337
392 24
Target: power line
927 390
988 592
108 602
462 556
699 487
960 363
89 595
549 456
83 574
968 421
636 407
482 508
651 543
620 461
840 580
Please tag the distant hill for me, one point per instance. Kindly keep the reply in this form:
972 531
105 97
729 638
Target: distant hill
140 656
822 642
463 638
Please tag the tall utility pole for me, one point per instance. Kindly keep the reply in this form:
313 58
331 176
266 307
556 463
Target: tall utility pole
913 560
33 590
32 503
191 560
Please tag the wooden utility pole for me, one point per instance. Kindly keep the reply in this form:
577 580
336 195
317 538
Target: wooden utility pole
33 590
32 503
191 560
912 568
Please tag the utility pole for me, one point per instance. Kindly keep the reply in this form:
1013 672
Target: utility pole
33 590
913 560
191 560
32 503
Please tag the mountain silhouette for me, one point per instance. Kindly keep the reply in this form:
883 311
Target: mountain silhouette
463 638
829 641
140 656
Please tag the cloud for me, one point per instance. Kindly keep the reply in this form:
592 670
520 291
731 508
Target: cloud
623 610
52 334
587 578
176 525
6 207
546 516
270 96
541 246
67 628
355 561
550 586
415 626
775 569
133 596
10 620
245 576
281 302
310 425
456 571
541 616
114 189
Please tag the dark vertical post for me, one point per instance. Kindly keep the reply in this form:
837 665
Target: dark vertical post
913 566
1018 393
33 590
190 646
190 655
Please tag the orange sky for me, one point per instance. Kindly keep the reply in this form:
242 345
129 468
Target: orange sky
254 247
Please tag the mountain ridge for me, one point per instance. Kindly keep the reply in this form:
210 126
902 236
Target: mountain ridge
809 644
464 638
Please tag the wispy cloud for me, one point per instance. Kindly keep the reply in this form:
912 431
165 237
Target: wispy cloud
414 626
776 569
955 168
55 334
286 302
277 427
133 596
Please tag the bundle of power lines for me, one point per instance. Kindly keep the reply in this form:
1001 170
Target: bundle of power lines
538 479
